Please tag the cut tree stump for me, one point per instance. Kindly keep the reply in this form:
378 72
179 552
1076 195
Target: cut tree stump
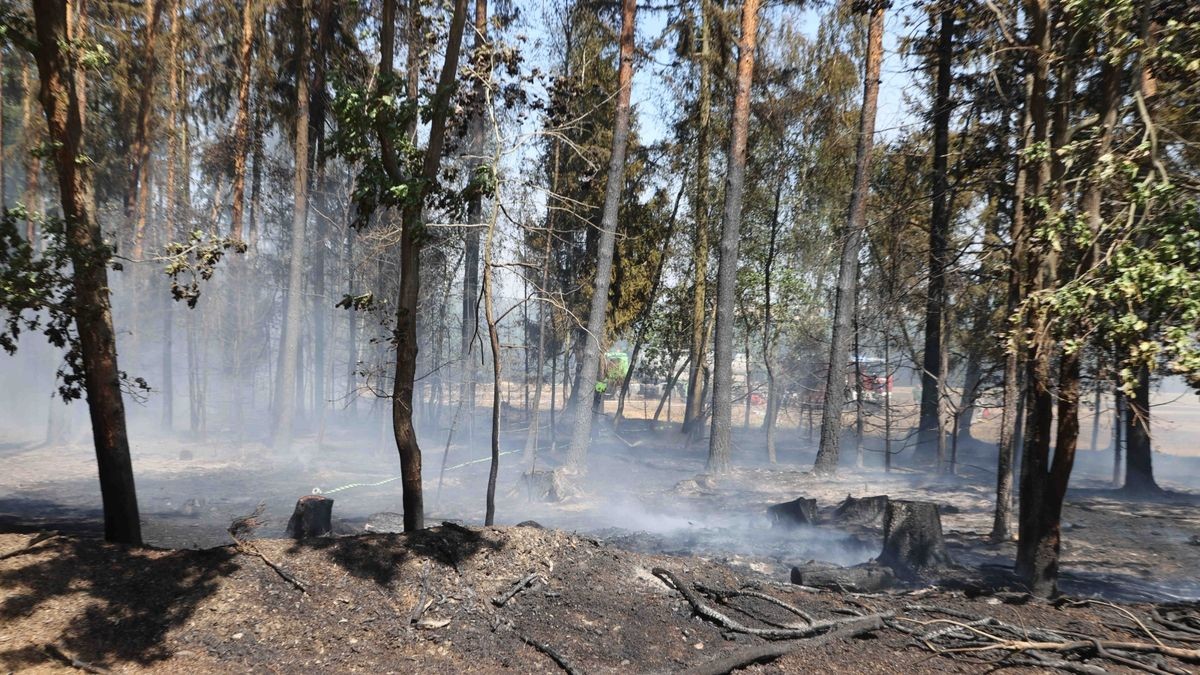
796 513
861 511
862 578
912 538
313 517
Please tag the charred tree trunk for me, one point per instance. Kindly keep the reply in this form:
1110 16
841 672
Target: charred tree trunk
64 107
719 444
1139 470
1010 419
930 423
847 287
582 430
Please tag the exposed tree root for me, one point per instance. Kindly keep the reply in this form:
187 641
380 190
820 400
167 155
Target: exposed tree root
771 651
713 615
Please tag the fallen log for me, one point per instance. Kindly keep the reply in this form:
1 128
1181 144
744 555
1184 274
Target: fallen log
771 651
863 579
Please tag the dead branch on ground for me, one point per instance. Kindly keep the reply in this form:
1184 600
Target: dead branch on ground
546 649
774 650
501 600
244 526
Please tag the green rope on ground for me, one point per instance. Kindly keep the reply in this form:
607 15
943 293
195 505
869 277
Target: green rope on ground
319 491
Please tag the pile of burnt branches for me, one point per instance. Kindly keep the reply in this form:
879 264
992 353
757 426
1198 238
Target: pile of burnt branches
987 640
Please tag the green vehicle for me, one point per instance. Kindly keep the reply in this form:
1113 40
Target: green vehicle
613 369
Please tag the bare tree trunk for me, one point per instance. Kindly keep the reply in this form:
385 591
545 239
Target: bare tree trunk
847 289
289 343
169 234
644 317
1119 414
695 401
939 232
1011 416
582 427
33 165
140 148
475 149
719 443
489 313
241 121
772 414
65 111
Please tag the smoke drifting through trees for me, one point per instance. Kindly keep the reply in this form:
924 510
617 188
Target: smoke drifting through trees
1024 241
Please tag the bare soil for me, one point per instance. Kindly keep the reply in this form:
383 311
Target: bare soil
423 602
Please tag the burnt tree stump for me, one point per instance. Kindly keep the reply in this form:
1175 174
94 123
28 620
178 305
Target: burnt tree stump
796 513
861 511
912 538
313 517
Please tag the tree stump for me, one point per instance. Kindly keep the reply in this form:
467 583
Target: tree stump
862 511
546 486
912 538
862 578
799 512
313 517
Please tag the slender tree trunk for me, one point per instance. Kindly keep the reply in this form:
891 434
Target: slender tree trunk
140 149
695 402
1010 420
847 289
494 338
644 316
772 414
582 429
411 241
289 343
719 443
241 121
33 165
1119 414
939 231
65 112
169 226
475 150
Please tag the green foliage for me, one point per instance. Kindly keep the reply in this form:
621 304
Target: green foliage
37 294
195 260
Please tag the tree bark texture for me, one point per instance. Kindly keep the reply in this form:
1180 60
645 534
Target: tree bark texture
847 285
